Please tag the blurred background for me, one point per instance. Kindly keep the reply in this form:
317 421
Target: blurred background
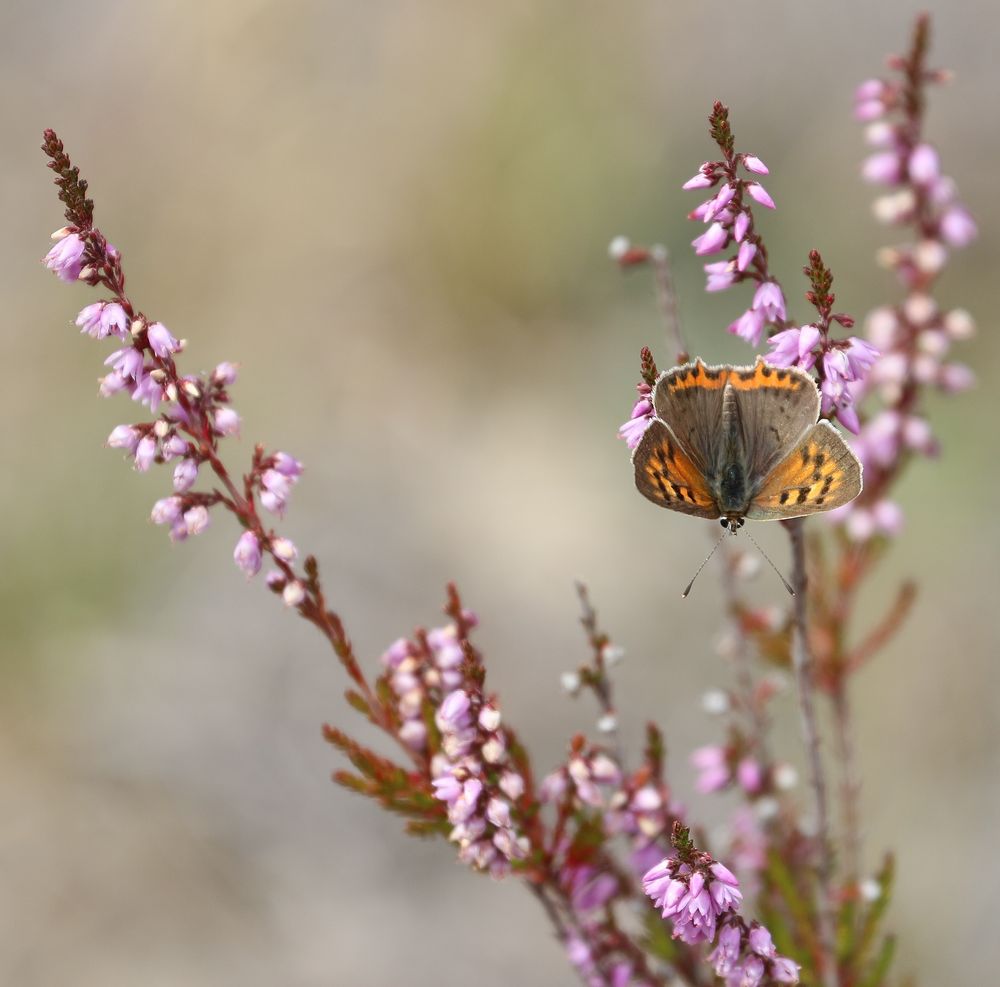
395 216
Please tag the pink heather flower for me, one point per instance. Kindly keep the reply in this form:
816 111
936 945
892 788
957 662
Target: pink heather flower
746 253
413 733
284 549
226 421
225 374
701 178
161 341
145 453
693 902
784 970
727 951
453 713
65 259
860 356
721 200
870 109
749 326
148 392
185 475
883 168
293 594
124 437
632 430
114 321
924 166
836 369
758 192
174 446
287 465
793 347
769 299
958 227
869 89
761 943
89 319
720 275
196 519
166 511
740 226
712 764
887 517
111 384
127 362
247 553
956 377
752 163
711 241
751 973
749 775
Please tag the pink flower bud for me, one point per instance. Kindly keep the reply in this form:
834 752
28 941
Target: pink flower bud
247 553
196 519
752 163
924 165
711 241
758 192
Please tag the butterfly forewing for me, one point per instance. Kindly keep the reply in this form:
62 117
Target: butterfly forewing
689 399
818 474
776 407
666 475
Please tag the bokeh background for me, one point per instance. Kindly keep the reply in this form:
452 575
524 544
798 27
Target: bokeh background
395 216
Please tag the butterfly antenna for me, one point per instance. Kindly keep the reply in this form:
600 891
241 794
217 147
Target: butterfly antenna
791 592
702 566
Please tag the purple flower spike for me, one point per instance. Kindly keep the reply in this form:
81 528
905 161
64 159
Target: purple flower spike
65 259
758 192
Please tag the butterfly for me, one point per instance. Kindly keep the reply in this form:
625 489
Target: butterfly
742 442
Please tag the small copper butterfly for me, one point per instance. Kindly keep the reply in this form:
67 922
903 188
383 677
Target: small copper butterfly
742 442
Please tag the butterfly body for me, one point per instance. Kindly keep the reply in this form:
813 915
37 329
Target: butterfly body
742 442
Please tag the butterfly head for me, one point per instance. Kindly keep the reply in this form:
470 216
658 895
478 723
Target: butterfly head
733 522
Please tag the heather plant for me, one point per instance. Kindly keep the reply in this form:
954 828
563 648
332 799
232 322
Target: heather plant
635 891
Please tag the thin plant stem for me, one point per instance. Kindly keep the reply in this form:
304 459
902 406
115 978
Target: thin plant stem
850 784
666 296
801 664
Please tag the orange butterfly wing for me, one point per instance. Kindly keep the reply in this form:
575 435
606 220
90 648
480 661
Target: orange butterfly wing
819 474
665 474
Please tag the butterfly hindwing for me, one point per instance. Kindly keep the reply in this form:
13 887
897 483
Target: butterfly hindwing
818 474
665 474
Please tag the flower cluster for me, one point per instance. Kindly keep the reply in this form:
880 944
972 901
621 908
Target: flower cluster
747 957
916 336
582 777
730 221
693 890
842 364
642 411
192 413
471 772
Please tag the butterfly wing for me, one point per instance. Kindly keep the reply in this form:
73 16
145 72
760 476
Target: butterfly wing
666 475
776 405
689 399
818 474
